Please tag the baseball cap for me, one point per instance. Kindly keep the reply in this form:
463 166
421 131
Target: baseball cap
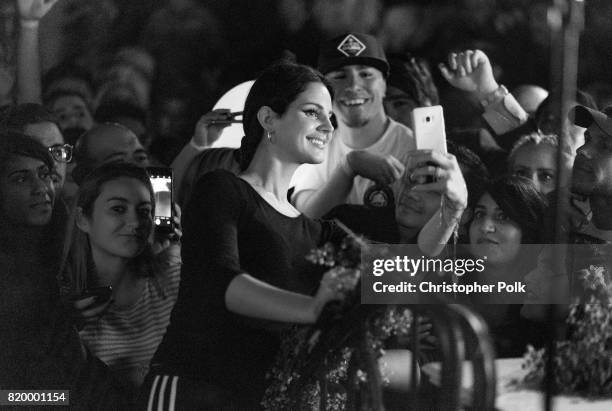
352 48
584 117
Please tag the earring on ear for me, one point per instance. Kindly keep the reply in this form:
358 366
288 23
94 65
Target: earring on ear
269 136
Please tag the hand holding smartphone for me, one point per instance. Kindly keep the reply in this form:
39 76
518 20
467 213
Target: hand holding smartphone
429 129
430 134
102 294
161 180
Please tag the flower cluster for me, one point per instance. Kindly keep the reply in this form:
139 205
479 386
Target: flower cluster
295 378
583 362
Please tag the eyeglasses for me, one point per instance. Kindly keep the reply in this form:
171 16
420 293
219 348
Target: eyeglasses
61 152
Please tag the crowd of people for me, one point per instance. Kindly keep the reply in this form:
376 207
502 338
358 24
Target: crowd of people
95 299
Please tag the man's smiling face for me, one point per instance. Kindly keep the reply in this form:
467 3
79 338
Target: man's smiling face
359 92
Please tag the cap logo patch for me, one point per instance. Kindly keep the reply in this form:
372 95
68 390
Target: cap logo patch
350 46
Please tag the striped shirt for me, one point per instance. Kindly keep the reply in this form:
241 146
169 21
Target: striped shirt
126 337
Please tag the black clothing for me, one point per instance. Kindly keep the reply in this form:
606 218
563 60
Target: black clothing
376 224
229 230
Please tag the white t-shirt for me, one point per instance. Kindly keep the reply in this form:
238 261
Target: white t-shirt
397 140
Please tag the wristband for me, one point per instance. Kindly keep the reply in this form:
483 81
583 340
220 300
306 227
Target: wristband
494 96
29 23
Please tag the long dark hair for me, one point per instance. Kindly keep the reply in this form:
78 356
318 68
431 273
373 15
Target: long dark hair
276 87
15 144
77 263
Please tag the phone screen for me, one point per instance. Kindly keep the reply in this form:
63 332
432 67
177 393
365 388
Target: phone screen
161 179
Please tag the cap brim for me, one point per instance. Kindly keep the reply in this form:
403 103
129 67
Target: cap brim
584 117
379 64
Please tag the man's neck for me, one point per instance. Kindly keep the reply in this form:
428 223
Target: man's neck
363 137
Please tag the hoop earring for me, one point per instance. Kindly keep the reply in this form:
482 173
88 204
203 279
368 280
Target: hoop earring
269 136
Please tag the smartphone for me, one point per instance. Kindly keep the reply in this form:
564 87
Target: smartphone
428 127
161 180
103 294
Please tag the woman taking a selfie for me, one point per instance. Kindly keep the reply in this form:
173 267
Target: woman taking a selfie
243 254
123 293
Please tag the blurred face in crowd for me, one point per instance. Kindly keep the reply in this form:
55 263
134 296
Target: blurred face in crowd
399 105
414 208
72 112
492 234
49 135
592 171
304 130
359 91
538 163
27 192
121 219
110 142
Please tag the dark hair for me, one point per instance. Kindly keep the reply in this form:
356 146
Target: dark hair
544 117
62 71
276 87
13 143
521 201
19 116
76 258
112 109
56 94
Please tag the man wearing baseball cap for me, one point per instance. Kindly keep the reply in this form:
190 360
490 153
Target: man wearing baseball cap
368 147
592 171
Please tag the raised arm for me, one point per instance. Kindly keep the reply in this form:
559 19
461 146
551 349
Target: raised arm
452 188
317 202
29 85
207 130
251 297
471 71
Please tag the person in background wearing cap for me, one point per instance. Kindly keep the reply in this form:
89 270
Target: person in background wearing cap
368 147
588 216
592 171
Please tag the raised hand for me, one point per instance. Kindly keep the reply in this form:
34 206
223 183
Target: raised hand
210 126
448 179
34 10
470 71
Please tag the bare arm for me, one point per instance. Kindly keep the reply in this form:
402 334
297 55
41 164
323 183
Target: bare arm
29 86
207 131
382 169
315 203
251 297
451 186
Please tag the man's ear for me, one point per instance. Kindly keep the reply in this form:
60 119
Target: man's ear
266 117
81 220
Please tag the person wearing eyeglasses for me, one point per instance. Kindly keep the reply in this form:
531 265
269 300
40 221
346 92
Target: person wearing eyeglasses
36 121
40 345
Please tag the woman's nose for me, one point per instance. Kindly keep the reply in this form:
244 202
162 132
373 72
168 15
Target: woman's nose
487 226
326 125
